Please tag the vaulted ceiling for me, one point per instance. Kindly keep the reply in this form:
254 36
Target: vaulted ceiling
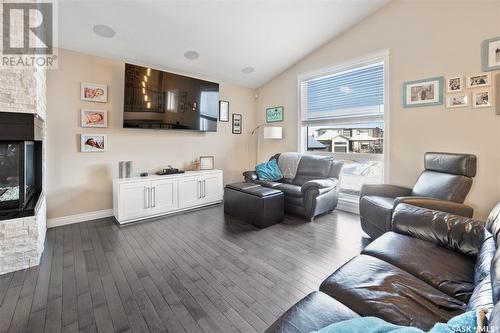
268 36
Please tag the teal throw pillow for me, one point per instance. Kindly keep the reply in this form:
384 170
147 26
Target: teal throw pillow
269 171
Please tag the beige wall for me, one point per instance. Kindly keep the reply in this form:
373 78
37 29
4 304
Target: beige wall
81 182
426 39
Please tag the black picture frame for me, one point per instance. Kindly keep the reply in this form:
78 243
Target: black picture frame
224 111
237 123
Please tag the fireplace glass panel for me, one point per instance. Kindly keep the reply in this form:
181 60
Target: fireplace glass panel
9 174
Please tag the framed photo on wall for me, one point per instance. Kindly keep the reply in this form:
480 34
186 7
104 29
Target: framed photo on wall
237 123
92 143
482 98
423 92
455 84
224 111
479 80
93 92
457 100
491 54
274 114
94 118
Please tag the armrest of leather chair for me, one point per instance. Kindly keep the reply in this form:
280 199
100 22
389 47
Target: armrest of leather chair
455 232
250 176
437 204
320 185
384 190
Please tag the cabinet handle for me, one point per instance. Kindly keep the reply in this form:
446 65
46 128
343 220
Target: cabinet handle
146 197
198 190
154 197
204 189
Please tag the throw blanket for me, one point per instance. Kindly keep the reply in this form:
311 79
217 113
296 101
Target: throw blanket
472 321
288 163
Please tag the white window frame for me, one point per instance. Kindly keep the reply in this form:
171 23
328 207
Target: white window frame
358 115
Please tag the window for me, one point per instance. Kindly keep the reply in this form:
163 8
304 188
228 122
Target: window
342 111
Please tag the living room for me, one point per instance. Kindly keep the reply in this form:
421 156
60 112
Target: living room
278 166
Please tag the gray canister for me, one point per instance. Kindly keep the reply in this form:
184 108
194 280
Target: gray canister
125 169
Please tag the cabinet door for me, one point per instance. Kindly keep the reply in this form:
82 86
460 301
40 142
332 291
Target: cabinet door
163 195
134 200
212 187
189 192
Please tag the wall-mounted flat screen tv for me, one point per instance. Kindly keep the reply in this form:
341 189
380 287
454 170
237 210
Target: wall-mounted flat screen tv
160 100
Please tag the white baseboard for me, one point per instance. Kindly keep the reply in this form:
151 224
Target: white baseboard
347 205
59 221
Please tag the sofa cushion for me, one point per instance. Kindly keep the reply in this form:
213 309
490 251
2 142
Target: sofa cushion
444 186
290 190
266 183
313 167
313 312
493 223
373 287
450 272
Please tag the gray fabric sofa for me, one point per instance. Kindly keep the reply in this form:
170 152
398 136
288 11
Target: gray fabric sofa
443 186
313 191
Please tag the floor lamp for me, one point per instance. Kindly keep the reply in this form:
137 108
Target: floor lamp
270 132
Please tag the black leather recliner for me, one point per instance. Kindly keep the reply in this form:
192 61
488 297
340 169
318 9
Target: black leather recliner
443 186
313 191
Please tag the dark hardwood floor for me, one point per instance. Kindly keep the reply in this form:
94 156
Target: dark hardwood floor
194 272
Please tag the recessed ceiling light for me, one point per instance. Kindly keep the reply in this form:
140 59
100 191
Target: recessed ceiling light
191 55
104 31
247 70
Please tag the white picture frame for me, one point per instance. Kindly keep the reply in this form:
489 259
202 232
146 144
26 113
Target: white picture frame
100 143
457 100
207 162
94 118
455 84
482 98
94 92
478 80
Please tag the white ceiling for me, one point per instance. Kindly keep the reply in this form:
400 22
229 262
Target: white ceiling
229 35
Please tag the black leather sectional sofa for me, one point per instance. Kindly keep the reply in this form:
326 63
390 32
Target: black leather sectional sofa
431 267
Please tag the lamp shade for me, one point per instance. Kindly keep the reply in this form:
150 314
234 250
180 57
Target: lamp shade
273 132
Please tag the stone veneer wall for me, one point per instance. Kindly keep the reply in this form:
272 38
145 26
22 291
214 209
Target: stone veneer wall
22 240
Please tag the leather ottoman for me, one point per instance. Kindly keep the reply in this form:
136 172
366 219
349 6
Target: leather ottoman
255 204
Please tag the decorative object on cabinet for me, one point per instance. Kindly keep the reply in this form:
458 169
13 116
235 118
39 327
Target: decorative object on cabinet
482 98
491 54
454 84
141 198
93 92
125 169
237 123
425 92
94 118
479 80
206 162
91 143
224 111
274 114
457 100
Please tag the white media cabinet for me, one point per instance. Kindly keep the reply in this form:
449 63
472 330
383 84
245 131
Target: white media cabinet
140 198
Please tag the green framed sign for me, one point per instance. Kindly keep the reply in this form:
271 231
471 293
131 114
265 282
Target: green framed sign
274 114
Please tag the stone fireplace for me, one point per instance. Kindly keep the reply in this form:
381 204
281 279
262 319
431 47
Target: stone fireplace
22 128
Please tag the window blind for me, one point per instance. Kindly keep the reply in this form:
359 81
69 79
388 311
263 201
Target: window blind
344 94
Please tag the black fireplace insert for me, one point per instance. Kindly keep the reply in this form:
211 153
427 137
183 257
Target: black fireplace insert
20 164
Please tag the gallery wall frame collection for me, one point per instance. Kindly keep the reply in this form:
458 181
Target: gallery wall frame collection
482 86
93 118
